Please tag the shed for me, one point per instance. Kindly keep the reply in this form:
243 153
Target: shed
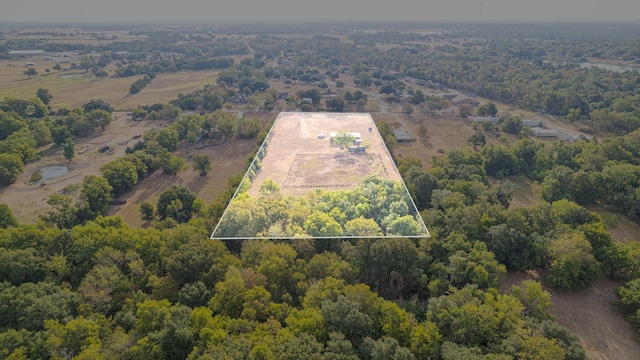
402 135
532 123
25 52
463 99
546 133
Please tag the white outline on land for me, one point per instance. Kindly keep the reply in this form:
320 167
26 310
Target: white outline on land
297 133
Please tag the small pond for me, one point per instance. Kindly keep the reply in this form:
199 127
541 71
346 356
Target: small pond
49 172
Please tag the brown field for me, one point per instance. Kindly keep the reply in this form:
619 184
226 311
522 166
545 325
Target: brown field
79 38
295 153
73 88
590 314
446 133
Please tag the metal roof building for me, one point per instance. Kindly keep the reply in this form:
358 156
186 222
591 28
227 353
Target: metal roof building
402 135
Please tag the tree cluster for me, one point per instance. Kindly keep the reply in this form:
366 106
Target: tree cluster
377 207
102 290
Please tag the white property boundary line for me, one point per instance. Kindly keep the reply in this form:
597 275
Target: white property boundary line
268 138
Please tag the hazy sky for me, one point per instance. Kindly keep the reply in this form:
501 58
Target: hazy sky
318 10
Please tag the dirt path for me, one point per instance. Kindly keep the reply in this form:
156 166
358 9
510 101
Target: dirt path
603 331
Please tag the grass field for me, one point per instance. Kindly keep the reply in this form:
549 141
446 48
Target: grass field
73 88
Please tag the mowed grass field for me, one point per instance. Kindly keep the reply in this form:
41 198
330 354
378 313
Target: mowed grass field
73 88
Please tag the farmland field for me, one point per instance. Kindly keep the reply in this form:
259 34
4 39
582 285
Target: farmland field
73 88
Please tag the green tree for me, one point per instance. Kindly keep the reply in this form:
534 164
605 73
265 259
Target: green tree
10 167
248 129
500 161
20 143
30 72
346 317
121 175
321 224
536 301
78 336
511 124
344 138
41 133
98 117
44 95
62 213
60 134
465 110
425 340
69 150
230 294
477 139
6 217
336 104
95 104
96 195
10 123
168 138
387 89
489 109
202 163
147 213
574 114
176 202
407 110
362 227
572 263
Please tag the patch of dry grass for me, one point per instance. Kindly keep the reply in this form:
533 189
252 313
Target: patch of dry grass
73 88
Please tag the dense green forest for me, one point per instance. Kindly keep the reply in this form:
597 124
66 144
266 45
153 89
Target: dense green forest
376 208
81 285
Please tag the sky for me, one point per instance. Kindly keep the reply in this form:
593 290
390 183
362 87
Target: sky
317 10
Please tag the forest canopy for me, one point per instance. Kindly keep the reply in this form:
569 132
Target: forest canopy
376 208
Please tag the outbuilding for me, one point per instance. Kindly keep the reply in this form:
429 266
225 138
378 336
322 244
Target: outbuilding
402 135
544 133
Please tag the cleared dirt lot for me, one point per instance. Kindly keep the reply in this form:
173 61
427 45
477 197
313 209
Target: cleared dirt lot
296 152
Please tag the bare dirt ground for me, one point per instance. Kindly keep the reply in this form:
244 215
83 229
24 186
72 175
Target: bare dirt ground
332 171
589 313
295 140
